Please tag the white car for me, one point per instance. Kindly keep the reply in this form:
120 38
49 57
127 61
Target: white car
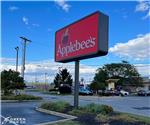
124 93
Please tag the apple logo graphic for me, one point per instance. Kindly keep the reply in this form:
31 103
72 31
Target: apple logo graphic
65 37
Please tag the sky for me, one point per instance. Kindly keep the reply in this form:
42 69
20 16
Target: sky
129 36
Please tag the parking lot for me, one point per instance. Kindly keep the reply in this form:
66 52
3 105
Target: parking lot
139 105
26 111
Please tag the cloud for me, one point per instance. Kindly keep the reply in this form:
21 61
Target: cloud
29 25
25 20
143 6
147 16
144 69
7 60
63 4
137 49
13 8
37 69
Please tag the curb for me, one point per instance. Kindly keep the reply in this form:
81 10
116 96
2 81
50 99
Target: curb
66 116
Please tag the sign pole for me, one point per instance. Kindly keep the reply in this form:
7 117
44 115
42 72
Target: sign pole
76 87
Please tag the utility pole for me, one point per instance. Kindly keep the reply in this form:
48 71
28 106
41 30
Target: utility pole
17 49
25 40
45 81
45 78
35 77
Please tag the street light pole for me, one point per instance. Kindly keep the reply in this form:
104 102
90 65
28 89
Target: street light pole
25 40
45 77
17 49
45 81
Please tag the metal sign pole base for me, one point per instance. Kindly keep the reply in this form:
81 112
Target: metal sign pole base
76 87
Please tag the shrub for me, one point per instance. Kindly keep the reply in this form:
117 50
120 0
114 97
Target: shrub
105 109
124 118
92 108
102 118
59 106
77 112
21 97
95 108
27 97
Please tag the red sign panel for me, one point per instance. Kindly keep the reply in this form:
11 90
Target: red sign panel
82 39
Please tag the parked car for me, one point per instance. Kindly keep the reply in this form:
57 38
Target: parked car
144 92
84 91
65 89
30 87
124 93
117 93
108 93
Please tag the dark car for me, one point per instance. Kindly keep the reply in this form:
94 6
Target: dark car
108 93
65 89
143 93
84 91
117 93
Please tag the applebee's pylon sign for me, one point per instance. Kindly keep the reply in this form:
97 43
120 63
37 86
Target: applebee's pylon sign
85 38
82 39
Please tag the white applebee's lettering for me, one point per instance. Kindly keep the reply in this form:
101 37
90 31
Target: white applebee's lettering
64 51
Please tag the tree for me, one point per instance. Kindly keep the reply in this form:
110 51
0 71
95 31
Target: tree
99 80
10 80
57 80
63 77
95 86
125 72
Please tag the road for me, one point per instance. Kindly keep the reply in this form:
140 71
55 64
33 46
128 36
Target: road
130 104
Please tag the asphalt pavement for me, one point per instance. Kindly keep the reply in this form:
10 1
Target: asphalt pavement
139 105
24 113
129 104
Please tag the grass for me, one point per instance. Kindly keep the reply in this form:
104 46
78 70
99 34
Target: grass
20 97
68 123
144 119
125 118
102 118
